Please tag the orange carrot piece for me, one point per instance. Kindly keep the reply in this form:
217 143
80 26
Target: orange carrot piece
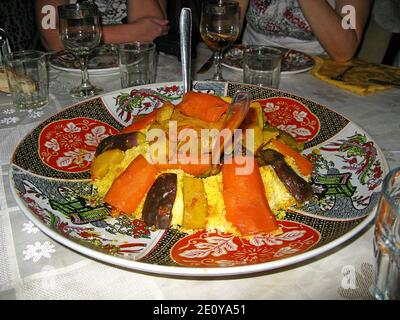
141 122
305 166
246 205
202 106
128 190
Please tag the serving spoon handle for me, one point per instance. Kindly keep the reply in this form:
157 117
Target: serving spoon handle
185 29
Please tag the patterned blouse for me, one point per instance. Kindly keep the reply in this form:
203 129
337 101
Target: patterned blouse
112 11
279 21
279 18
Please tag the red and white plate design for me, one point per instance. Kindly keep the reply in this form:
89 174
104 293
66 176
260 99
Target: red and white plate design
215 249
291 116
69 145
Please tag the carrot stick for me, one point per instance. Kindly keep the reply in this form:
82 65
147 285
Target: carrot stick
245 201
305 166
202 106
128 190
141 122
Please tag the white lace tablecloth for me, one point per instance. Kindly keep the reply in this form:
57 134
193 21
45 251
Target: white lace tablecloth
33 266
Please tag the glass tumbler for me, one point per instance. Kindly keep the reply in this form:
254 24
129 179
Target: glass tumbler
262 66
387 239
27 79
137 63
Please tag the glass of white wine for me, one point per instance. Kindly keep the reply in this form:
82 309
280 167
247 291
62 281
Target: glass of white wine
219 28
80 33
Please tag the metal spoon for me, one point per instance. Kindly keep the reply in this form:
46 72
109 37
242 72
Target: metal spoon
185 29
234 116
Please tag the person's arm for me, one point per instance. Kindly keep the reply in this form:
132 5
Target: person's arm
163 5
142 29
145 25
146 21
326 23
138 9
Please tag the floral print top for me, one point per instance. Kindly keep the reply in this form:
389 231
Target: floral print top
112 11
279 20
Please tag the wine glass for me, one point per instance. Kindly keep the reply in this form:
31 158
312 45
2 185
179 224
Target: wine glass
219 28
80 33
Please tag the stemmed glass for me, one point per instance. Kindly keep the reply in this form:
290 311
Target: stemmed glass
219 28
80 33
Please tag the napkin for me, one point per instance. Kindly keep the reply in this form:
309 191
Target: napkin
356 79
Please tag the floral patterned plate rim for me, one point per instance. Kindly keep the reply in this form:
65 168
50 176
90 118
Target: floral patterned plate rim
349 168
293 61
103 60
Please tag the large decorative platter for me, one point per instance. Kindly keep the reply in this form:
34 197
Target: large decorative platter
50 180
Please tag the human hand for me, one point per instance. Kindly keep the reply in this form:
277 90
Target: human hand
149 28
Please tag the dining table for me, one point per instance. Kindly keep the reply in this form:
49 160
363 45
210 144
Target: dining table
34 266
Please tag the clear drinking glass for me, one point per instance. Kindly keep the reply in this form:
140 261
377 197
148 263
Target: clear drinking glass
4 47
27 78
80 33
219 28
387 239
137 63
262 66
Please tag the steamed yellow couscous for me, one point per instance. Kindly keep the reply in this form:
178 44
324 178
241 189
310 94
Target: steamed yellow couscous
278 197
202 196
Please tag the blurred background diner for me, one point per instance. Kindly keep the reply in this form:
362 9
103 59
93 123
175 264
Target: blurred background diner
313 27
375 39
122 21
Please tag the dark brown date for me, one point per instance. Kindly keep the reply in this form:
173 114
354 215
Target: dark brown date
122 142
157 209
299 188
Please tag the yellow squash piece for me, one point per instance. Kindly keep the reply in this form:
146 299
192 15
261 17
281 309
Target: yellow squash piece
165 112
269 135
106 161
195 203
259 112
